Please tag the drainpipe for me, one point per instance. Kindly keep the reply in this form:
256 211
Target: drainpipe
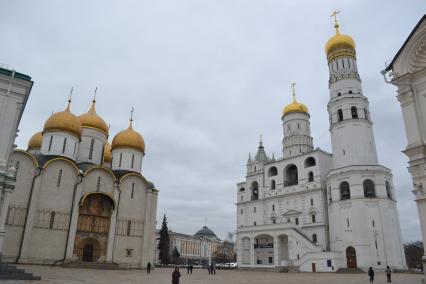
116 215
80 180
38 173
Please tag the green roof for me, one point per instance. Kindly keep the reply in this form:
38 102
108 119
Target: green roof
18 75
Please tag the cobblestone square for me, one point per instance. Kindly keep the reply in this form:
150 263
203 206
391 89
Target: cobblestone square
163 276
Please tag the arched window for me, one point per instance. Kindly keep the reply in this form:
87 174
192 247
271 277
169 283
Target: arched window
311 176
313 218
345 192
272 184
254 191
314 238
273 207
339 115
291 176
296 221
52 220
369 190
272 171
388 190
354 112
310 162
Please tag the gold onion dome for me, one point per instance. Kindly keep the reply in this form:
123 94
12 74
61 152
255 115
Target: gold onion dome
128 138
107 153
35 141
92 120
339 41
295 106
64 121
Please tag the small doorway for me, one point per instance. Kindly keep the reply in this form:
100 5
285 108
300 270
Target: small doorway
88 253
314 267
351 257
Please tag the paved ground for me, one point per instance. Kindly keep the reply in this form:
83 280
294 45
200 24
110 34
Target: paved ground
163 276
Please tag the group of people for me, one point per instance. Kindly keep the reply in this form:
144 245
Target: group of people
388 272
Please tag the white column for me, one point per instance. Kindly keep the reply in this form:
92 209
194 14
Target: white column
252 254
73 226
4 206
277 248
112 226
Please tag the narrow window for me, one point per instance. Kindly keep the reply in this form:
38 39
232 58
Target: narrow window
254 223
75 146
312 202
241 211
298 126
313 218
298 256
339 94
345 192
273 207
311 176
129 227
133 190
347 222
288 220
133 159
50 143
388 190
372 223
340 115
365 114
274 221
254 209
350 92
121 159
369 190
64 145
354 112
314 238
272 184
58 183
98 184
241 198
52 220
296 221
92 143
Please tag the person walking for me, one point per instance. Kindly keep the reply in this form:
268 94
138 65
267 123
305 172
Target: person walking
148 267
190 268
371 274
213 268
388 272
175 276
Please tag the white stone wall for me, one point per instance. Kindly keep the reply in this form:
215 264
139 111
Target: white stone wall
127 159
57 145
99 139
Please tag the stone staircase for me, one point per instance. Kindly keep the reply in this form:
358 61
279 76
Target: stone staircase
10 272
92 265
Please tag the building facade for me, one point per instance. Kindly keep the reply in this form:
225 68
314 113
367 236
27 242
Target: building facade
318 211
407 72
79 199
15 89
197 249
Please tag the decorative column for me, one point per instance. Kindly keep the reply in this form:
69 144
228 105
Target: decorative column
252 254
277 249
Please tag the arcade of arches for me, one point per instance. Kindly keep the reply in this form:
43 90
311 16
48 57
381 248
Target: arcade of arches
94 220
265 249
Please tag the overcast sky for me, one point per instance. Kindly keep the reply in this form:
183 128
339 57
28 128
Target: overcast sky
206 78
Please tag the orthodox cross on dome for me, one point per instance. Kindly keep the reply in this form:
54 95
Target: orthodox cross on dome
260 140
293 89
70 99
336 22
131 117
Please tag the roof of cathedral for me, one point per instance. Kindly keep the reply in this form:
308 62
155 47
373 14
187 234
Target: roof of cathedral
35 141
129 138
261 154
206 232
64 121
91 119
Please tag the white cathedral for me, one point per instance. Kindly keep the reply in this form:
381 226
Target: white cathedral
318 211
79 199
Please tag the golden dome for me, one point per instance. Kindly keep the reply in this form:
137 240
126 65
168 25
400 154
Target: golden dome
107 153
295 106
35 141
339 41
64 121
128 138
92 120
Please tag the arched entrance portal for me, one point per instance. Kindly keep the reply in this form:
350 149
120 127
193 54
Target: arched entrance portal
351 257
91 240
264 250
